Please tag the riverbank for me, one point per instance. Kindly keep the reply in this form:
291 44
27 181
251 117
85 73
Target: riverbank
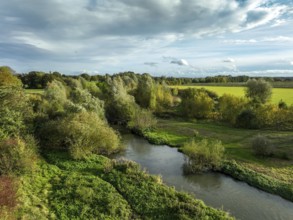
273 175
101 188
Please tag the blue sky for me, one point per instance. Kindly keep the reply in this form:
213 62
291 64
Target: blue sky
163 37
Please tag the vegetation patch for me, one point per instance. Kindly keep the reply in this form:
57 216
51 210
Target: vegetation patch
258 180
100 188
8 196
202 155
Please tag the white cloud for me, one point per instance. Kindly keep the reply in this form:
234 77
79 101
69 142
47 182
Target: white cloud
229 60
278 39
152 64
180 62
240 41
278 22
291 63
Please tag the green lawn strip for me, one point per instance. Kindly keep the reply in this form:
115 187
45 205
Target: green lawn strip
100 188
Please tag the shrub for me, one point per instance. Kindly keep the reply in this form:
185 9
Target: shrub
16 156
14 111
202 156
142 120
230 107
81 134
262 146
196 104
247 119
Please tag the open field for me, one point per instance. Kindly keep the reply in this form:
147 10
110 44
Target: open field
236 142
285 94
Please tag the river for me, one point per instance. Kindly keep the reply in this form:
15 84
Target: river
215 189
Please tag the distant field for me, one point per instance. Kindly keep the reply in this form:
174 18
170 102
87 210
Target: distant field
34 91
286 94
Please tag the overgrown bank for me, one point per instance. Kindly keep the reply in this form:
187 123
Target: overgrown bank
100 188
271 175
258 180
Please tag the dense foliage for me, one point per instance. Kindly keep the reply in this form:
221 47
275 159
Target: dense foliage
203 155
258 91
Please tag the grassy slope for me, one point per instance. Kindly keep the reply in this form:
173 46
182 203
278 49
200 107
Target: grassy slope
236 142
286 94
100 188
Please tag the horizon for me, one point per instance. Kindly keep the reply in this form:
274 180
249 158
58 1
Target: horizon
163 38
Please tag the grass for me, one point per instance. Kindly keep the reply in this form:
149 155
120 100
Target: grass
236 142
34 91
100 188
285 94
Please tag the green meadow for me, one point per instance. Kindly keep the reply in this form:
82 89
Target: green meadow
285 94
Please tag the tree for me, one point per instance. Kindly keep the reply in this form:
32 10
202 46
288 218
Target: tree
120 106
81 134
7 78
142 120
259 91
247 119
145 93
164 98
14 109
196 104
230 107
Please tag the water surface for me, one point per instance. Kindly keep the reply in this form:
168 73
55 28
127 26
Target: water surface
216 190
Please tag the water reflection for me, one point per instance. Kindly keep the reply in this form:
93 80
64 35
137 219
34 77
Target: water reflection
206 181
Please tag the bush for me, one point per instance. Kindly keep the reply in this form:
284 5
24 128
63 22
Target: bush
196 104
262 146
202 156
17 156
142 120
247 119
230 107
81 134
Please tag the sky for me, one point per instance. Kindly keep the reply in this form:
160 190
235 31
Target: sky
183 38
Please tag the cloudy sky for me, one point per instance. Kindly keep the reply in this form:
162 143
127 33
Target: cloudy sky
162 37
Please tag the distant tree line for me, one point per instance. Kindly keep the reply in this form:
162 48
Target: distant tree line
39 80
